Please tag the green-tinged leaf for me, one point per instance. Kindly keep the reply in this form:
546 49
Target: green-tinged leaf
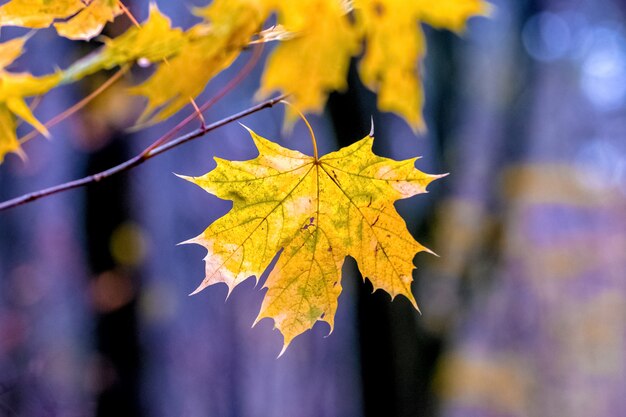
318 212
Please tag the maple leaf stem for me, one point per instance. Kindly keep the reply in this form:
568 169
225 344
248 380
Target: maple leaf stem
138 159
315 154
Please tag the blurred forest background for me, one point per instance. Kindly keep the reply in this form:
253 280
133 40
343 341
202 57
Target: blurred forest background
524 313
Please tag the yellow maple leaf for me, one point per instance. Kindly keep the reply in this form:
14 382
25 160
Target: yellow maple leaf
8 138
315 60
318 211
395 46
210 48
14 87
85 18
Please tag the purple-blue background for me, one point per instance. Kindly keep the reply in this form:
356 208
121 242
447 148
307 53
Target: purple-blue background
524 313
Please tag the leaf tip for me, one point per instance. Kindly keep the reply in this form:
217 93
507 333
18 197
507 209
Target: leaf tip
45 132
21 154
371 134
185 177
230 291
253 135
332 328
193 240
247 128
153 7
283 350
257 320
431 252
411 299
197 290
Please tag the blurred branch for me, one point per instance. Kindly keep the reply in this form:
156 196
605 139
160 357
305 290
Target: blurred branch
139 159
76 107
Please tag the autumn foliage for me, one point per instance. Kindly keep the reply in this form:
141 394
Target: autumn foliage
316 210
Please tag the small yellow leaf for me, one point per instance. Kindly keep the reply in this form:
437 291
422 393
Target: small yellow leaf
89 22
318 212
315 62
13 89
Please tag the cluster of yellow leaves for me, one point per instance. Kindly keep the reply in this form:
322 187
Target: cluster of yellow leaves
309 63
318 211
328 37
155 40
81 19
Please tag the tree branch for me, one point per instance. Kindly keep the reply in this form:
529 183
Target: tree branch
139 159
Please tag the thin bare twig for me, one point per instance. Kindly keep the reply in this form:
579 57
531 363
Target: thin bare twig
139 159
76 107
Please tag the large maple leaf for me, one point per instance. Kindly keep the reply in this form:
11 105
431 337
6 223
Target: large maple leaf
317 211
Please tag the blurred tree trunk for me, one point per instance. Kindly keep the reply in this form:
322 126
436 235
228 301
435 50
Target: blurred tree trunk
45 323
